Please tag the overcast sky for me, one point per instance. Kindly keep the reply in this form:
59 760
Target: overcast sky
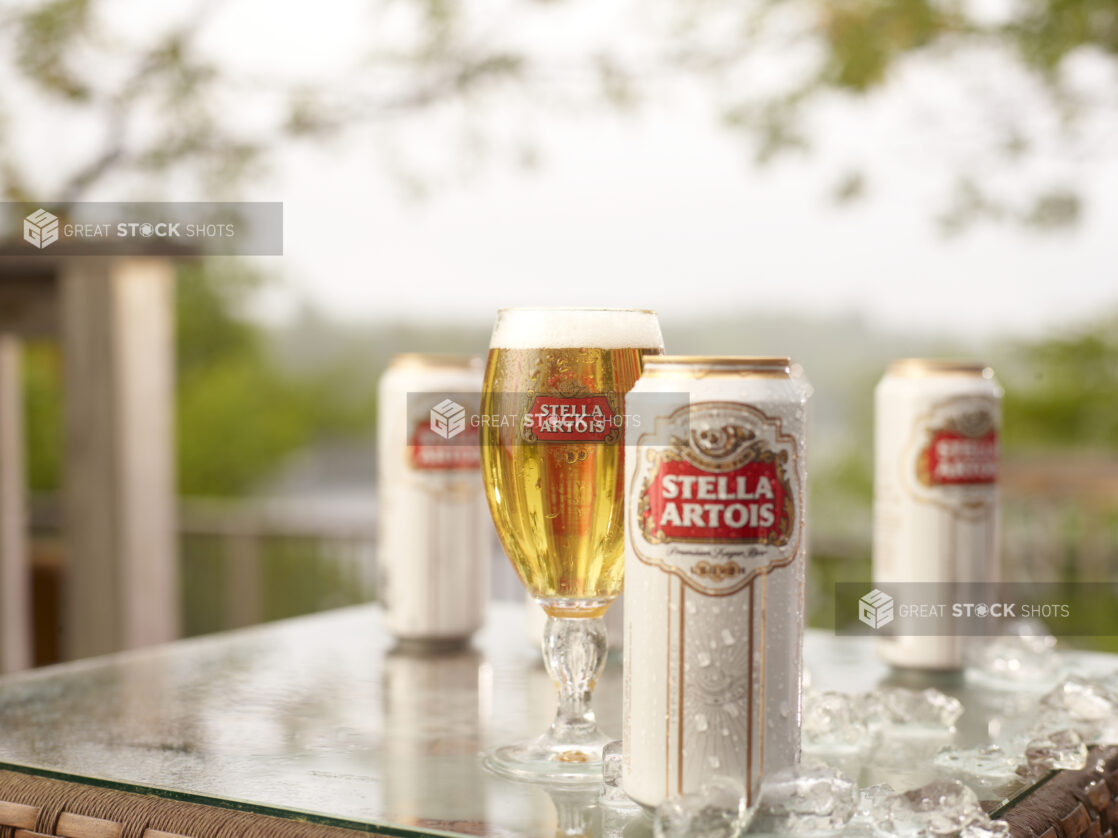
661 209
666 212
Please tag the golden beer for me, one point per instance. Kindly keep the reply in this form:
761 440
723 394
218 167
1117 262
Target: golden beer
552 448
557 504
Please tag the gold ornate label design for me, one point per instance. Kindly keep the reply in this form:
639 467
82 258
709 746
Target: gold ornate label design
951 458
716 496
572 413
963 451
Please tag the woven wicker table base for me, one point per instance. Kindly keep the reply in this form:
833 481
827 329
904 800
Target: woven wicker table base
32 806
1072 803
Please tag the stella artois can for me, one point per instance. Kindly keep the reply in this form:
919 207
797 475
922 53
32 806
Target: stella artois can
935 488
435 533
714 573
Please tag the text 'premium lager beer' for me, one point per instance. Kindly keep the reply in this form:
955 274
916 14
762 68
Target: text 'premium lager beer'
434 531
935 488
714 573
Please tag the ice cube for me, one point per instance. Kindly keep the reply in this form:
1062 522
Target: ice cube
943 807
904 711
612 794
832 721
716 810
612 761
870 799
803 800
1059 749
985 829
1082 698
1024 658
986 768
1106 732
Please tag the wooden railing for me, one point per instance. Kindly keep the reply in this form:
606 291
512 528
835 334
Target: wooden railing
245 562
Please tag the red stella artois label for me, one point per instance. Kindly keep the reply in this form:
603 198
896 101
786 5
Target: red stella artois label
958 454
685 503
427 451
578 417
953 452
717 496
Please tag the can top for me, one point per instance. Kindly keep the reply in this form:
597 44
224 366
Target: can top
421 359
928 367
728 365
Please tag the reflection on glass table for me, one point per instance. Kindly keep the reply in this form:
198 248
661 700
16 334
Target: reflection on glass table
322 716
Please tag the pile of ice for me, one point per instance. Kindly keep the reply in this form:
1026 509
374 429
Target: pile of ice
1061 749
804 800
1088 706
817 800
835 722
716 810
940 809
1073 714
1023 658
900 711
814 799
986 769
1076 713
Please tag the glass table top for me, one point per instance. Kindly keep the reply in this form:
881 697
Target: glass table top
323 716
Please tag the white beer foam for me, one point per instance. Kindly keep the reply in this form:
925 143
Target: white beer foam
572 328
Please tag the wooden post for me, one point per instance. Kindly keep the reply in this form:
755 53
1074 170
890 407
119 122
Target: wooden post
15 564
117 337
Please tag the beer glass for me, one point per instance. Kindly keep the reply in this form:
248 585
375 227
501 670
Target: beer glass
551 449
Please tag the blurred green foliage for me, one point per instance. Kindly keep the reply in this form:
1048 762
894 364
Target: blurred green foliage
42 394
164 108
1062 392
45 36
865 38
293 576
239 411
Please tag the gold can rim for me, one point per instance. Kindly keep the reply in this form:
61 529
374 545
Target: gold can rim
926 367
434 360
762 365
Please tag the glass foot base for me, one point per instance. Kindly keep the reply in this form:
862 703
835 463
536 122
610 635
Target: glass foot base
544 760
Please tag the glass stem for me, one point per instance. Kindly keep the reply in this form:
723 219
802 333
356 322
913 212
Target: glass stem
574 652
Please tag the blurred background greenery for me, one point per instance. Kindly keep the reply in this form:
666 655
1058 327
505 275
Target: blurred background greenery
276 447
276 416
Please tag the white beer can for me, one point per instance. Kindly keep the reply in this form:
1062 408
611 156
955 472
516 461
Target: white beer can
435 533
935 488
715 488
